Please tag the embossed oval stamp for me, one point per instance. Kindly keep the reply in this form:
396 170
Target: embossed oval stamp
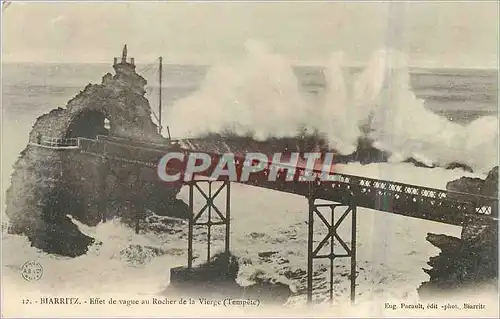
32 270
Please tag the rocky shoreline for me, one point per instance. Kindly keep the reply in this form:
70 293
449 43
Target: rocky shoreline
471 261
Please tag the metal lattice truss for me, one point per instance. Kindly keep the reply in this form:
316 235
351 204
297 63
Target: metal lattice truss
218 219
331 238
405 199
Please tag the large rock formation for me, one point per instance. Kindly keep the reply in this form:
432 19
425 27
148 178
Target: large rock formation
49 184
305 143
487 187
471 261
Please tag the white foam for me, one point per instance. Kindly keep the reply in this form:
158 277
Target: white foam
259 95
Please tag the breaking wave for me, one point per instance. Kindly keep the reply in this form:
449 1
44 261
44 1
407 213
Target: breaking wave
260 96
401 125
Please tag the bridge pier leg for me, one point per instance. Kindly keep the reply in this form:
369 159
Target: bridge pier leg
137 185
333 239
190 225
310 261
103 201
209 215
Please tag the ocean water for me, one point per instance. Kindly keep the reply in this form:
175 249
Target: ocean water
391 249
461 95
197 99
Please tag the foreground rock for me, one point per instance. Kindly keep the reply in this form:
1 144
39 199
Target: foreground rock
217 279
471 261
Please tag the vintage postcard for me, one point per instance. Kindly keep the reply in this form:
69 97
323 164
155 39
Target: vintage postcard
249 159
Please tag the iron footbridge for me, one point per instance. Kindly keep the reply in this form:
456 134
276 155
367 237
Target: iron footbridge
344 193
433 204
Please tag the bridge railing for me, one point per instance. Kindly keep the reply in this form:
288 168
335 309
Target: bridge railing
421 196
135 142
91 146
378 194
118 151
56 142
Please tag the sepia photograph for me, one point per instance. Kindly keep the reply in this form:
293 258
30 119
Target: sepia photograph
323 159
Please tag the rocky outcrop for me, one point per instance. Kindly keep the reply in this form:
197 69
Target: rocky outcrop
471 261
365 152
217 278
122 104
487 187
466 185
35 205
490 185
462 265
49 184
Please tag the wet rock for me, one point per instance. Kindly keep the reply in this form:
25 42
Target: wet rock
471 261
466 185
138 255
418 163
267 254
294 274
490 185
444 242
270 293
217 278
456 165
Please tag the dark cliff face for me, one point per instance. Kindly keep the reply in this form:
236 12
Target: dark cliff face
487 187
214 143
365 152
490 185
49 184
471 261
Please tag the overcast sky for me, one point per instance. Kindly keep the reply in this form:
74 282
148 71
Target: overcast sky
433 34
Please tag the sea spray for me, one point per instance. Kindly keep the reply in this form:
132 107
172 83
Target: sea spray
400 124
335 120
257 96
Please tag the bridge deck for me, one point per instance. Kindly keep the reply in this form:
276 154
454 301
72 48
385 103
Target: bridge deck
387 196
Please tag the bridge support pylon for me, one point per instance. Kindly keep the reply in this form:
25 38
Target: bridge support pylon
332 239
209 215
103 172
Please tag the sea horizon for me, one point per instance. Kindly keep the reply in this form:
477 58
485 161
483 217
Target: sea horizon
297 64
